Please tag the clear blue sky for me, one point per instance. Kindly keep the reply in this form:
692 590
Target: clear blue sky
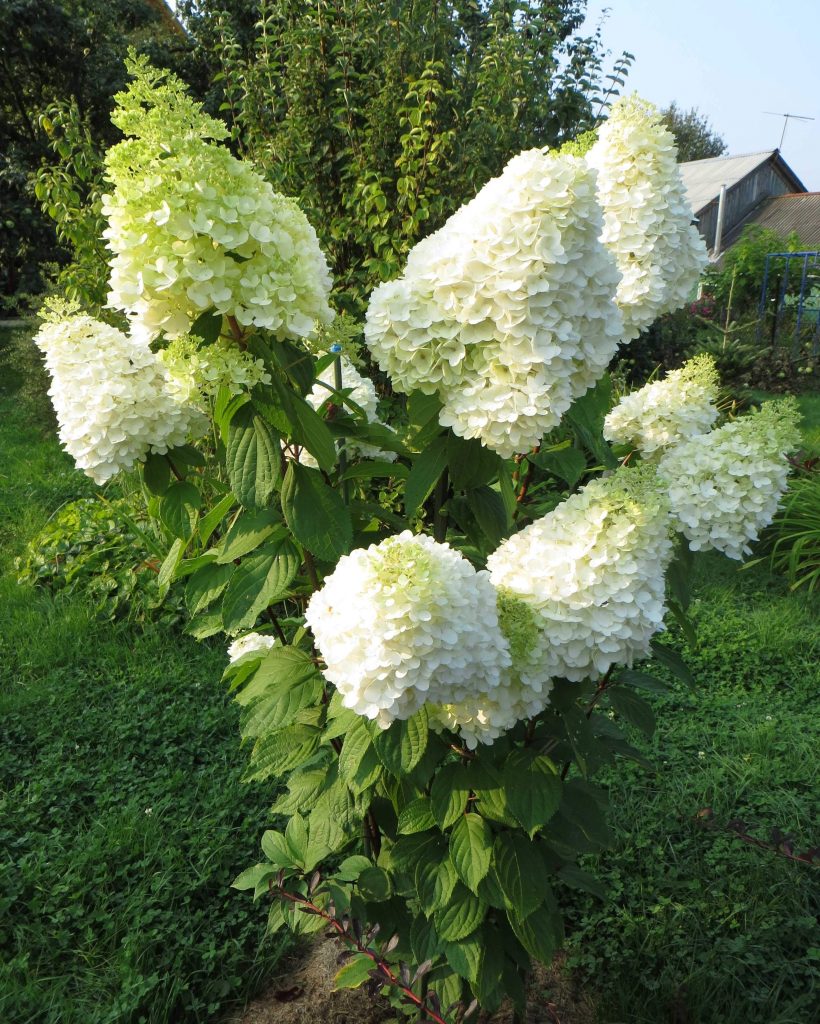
732 59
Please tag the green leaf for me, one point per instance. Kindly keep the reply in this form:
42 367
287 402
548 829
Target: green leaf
417 816
376 468
580 736
423 409
401 746
296 837
280 668
253 458
250 877
205 625
278 705
583 805
471 847
424 940
491 795
168 569
643 681
576 878
207 326
567 463
248 531
435 880
426 469
540 934
310 431
316 513
448 794
178 509
533 788
156 473
374 884
351 867
470 463
520 872
205 586
209 522
356 744
353 973
257 583
488 508
633 708
460 916
674 662
280 752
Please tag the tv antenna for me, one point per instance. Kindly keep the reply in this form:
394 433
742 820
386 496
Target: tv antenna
786 119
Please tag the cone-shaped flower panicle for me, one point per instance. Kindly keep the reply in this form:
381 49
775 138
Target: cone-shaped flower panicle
111 396
647 217
667 411
361 392
407 622
592 571
192 228
507 311
724 487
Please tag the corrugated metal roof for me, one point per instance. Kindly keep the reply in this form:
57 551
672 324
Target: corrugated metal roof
799 212
703 178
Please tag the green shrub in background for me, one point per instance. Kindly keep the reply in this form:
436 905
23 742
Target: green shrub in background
98 548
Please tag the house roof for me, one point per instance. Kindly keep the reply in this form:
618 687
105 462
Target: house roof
798 212
703 178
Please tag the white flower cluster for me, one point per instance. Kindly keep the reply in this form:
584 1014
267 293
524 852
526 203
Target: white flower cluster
111 396
507 311
192 228
724 487
250 644
196 370
667 411
647 217
409 622
593 573
362 393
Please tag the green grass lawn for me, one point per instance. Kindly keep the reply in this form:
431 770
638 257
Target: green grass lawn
123 820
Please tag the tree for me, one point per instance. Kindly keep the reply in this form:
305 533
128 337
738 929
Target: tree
382 124
695 136
54 50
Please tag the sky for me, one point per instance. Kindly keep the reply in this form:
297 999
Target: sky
732 60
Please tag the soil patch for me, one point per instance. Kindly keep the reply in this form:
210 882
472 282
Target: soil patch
303 994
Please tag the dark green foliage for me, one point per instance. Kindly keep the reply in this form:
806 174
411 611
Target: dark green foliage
695 137
383 122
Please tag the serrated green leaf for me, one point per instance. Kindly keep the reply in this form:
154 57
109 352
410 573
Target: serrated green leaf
532 787
209 522
674 662
168 569
417 816
424 940
281 751
356 744
520 872
461 916
315 513
435 880
375 468
374 884
643 681
426 469
249 878
539 933
207 326
488 508
248 531
205 586
567 463
311 432
576 878
471 847
253 458
470 463
401 746
156 473
491 795
260 581
279 706
633 708
448 794
179 507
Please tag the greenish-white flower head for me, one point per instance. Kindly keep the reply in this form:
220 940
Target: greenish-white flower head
404 623
196 371
507 311
111 395
192 228
592 572
647 217
665 412
724 487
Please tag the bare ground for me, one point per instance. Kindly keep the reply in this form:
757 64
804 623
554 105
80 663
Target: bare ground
303 994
